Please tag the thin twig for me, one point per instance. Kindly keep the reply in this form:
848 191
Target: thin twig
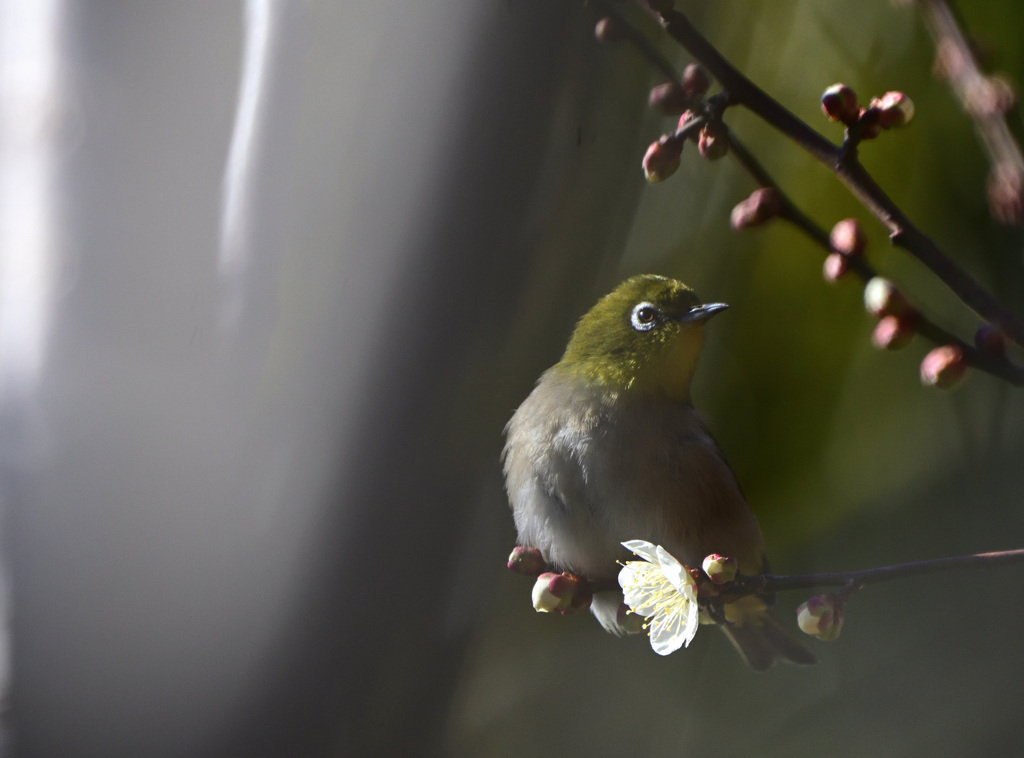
766 584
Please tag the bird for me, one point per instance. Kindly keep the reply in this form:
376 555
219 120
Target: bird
608 448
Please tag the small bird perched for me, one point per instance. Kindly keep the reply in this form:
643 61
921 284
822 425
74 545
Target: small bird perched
608 448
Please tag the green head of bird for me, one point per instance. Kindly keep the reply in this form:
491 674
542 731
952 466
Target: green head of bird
643 337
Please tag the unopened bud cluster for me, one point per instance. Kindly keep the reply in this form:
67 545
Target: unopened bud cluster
896 317
662 158
944 366
673 98
847 241
821 617
890 111
561 592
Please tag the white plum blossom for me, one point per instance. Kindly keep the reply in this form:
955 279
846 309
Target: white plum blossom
660 588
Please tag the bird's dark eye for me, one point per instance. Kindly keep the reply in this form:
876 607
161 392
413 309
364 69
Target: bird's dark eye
645 317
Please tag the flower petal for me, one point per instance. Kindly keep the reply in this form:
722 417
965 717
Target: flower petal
675 572
640 582
692 622
667 633
644 549
662 589
674 628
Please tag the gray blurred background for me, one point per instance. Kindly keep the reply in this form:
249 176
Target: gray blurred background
274 274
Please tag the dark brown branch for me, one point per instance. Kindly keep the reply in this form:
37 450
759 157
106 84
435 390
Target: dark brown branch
997 366
766 584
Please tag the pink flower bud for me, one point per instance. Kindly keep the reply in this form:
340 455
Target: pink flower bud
894 108
763 204
669 98
835 267
869 122
988 339
720 568
892 333
712 143
848 238
527 561
839 103
696 80
821 617
881 298
944 367
561 592
662 158
609 29
552 592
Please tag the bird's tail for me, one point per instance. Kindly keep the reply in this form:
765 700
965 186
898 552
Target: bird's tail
762 641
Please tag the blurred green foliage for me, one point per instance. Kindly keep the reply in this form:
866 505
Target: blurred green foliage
847 460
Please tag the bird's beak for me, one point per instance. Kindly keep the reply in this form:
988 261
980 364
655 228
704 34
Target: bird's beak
701 313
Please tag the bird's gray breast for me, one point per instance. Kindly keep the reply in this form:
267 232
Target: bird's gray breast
587 469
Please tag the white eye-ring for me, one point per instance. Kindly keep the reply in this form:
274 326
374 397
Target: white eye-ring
644 317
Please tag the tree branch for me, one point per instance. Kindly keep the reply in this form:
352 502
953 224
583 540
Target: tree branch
766 584
842 158
770 584
997 366
844 164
